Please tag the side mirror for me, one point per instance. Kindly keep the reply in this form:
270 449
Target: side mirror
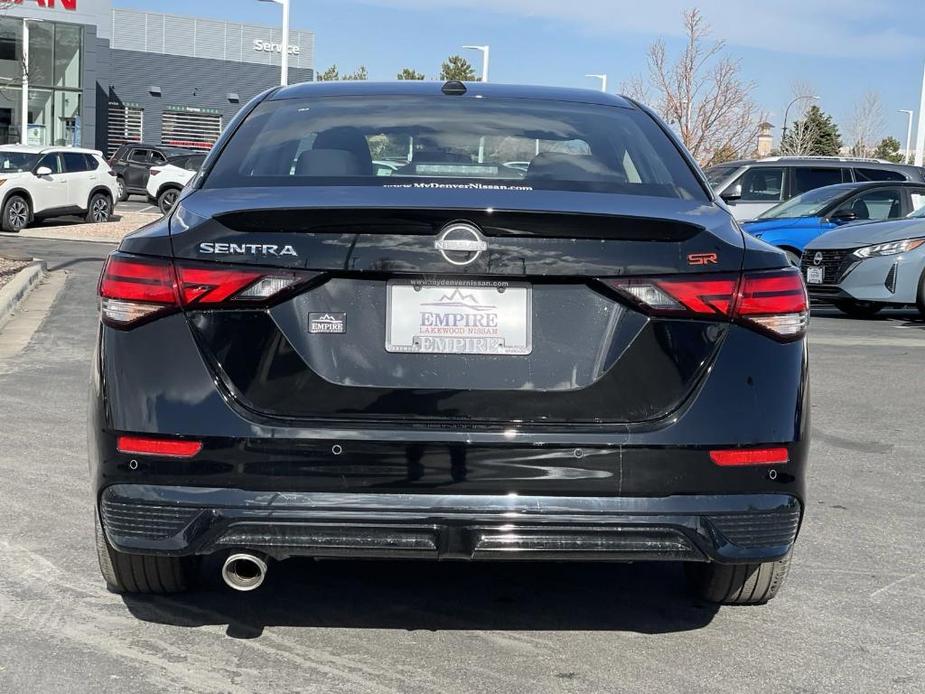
843 216
43 171
732 193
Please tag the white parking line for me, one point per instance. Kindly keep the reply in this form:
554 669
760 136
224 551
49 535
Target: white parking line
867 341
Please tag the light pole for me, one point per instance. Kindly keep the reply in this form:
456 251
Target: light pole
284 47
787 112
486 54
910 114
603 79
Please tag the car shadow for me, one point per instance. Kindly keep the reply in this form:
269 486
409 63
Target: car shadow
648 598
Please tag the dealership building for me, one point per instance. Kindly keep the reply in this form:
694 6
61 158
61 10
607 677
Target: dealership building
98 76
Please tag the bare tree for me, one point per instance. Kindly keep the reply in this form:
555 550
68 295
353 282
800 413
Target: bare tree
802 132
701 94
865 125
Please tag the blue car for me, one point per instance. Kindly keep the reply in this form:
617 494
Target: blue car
795 223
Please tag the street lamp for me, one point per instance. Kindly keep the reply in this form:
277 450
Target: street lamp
787 111
486 51
284 48
603 79
908 134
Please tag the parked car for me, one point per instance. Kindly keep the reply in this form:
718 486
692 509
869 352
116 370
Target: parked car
864 268
132 163
750 187
165 182
793 224
41 182
457 361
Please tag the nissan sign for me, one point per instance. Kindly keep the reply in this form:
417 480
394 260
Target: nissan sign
64 4
270 47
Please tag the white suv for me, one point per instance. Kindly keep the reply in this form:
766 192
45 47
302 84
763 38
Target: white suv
165 182
39 182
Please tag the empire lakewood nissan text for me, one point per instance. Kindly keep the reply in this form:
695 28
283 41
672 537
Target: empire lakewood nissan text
580 358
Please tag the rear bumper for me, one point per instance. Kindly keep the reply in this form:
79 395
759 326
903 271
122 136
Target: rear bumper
175 520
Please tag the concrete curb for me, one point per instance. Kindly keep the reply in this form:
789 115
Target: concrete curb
14 292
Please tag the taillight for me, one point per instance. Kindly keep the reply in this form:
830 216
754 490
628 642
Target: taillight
161 447
135 289
774 302
739 457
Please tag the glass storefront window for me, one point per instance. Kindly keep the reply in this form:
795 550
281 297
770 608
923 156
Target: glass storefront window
41 116
10 113
41 53
10 50
67 119
55 64
67 55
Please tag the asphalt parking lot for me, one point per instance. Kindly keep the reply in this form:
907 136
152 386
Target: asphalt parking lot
850 619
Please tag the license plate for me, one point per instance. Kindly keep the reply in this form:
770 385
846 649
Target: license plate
815 275
459 317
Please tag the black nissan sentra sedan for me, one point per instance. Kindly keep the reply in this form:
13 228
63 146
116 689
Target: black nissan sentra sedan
583 359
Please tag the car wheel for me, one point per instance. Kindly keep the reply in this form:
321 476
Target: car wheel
141 573
920 296
100 209
738 584
167 199
123 193
16 214
858 309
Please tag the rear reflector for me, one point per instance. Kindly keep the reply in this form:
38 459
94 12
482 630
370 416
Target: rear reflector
133 289
736 457
774 302
165 448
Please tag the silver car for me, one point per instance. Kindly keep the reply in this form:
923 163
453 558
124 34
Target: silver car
863 268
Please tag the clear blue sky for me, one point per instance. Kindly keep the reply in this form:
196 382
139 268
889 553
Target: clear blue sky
841 47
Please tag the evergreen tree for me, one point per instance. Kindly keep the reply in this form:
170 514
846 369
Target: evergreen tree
457 68
889 149
360 74
820 131
329 75
408 74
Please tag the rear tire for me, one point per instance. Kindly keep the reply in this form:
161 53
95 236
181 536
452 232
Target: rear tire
123 193
858 309
167 199
920 296
141 573
738 584
16 214
99 209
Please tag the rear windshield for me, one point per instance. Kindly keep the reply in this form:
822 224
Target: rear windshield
454 142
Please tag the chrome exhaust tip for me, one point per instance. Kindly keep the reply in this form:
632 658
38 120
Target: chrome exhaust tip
244 571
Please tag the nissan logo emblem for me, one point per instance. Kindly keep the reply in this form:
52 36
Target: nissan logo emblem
460 243
817 259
